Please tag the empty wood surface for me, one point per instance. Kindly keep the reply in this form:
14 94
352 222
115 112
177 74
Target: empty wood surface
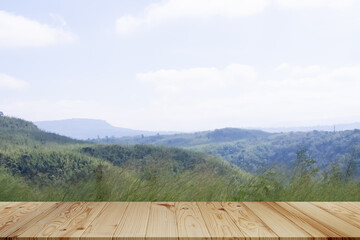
179 220
162 221
190 223
134 222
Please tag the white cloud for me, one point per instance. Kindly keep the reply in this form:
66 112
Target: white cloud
282 66
199 79
18 31
300 70
45 109
127 24
239 95
207 98
301 4
9 82
176 9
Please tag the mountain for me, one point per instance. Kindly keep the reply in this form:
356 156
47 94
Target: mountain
17 132
329 128
190 139
80 128
280 149
41 166
255 150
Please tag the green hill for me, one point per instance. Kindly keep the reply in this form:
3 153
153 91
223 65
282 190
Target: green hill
326 148
39 166
18 132
255 151
189 139
45 166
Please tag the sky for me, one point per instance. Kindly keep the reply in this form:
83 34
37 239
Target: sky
182 65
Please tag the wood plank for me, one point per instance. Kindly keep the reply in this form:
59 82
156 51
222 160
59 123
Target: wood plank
340 212
105 224
5 214
3 205
9 209
51 222
162 221
277 222
34 221
330 221
190 222
134 222
249 224
314 228
75 226
219 223
352 206
181 220
22 215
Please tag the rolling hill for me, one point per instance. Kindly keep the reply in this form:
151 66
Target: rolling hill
40 166
327 128
189 139
80 128
36 165
255 150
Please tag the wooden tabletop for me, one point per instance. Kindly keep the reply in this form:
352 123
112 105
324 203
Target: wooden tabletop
179 220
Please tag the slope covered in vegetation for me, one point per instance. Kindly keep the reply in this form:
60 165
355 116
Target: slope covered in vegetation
255 151
189 139
36 165
45 166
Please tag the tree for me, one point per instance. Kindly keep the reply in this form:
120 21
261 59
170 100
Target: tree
305 168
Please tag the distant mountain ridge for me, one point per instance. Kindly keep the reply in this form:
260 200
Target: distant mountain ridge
190 139
82 128
256 150
328 128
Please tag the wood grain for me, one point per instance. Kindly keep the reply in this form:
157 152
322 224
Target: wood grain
32 224
52 221
179 221
219 222
340 212
37 229
190 222
106 222
325 218
162 221
6 205
305 222
352 206
22 215
134 222
249 224
276 221
75 225
9 208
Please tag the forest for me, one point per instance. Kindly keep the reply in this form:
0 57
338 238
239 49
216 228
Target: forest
41 166
255 150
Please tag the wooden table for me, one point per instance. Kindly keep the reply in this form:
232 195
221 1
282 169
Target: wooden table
179 220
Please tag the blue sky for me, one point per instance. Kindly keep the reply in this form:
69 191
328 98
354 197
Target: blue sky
182 65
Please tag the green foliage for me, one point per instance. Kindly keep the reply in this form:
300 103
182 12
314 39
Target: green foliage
55 168
189 139
14 131
254 151
14 188
42 166
254 155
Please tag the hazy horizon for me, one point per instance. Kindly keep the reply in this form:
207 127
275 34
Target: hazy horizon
176 65
292 125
